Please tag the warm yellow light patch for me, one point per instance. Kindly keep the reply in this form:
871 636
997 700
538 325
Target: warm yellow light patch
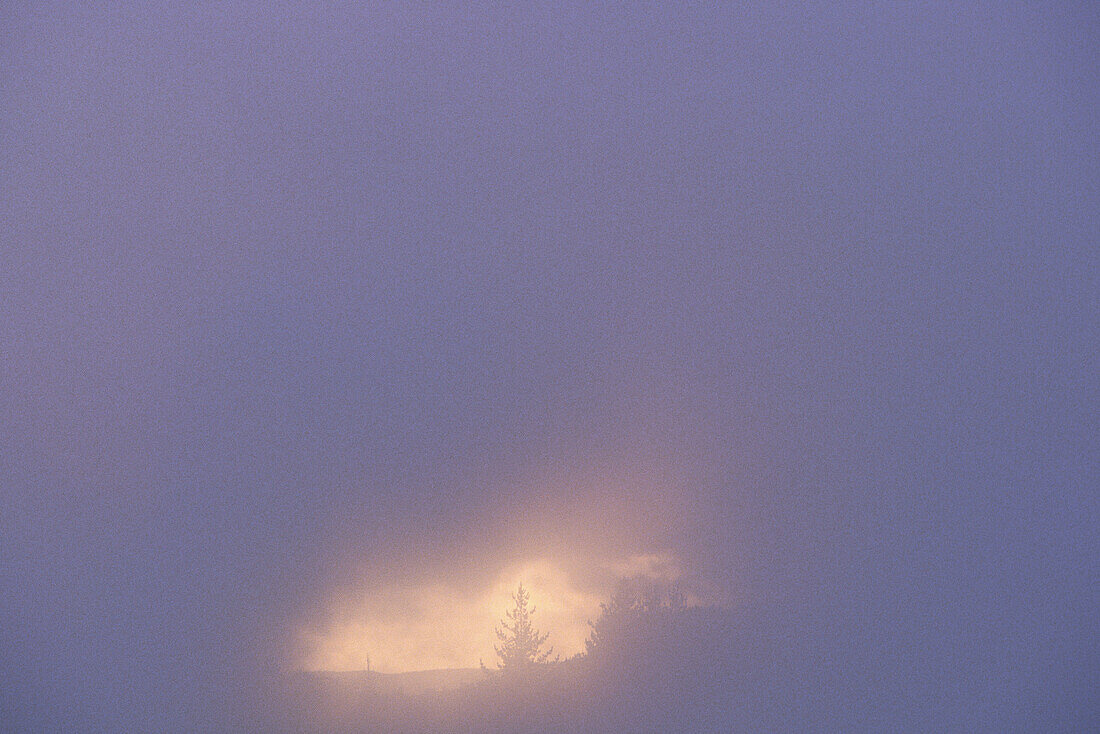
442 626
560 608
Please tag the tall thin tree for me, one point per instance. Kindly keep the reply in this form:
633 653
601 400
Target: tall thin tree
521 644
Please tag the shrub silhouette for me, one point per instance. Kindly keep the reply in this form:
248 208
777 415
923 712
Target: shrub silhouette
640 612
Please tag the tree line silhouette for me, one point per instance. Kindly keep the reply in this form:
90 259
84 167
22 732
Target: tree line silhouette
639 613
651 663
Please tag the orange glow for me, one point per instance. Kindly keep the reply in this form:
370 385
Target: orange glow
437 625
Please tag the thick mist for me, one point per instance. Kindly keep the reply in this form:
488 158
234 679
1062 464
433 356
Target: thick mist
303 304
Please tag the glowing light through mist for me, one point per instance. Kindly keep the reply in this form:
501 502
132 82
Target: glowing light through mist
439 625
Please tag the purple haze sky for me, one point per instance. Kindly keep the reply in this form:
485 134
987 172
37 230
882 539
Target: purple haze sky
284 288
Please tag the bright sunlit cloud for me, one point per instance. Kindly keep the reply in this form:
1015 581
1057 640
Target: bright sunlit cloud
440 625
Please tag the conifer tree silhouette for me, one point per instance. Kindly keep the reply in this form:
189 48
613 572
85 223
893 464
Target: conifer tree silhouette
521 644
